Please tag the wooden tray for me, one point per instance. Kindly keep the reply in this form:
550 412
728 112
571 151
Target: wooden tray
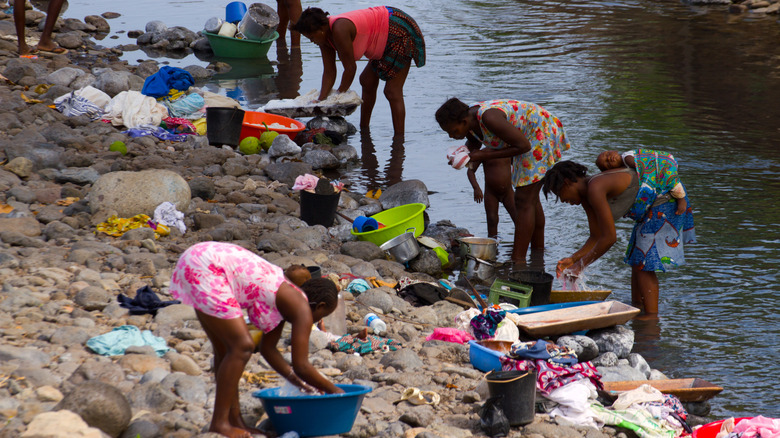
687 390
568 296
573 319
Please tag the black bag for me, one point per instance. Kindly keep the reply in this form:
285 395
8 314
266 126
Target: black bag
492 418
425 294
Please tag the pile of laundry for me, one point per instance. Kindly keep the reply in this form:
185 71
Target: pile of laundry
167 107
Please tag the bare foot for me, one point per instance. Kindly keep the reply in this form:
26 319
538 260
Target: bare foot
51 48
230 431
239 424
24 49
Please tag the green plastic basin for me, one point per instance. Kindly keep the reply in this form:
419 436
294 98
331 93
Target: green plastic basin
396 221
225 47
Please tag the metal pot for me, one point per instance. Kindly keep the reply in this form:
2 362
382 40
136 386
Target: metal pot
483 248
479 268
402 248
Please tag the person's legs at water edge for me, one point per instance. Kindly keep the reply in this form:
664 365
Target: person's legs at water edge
644 287
527 203
233 346
369 81
289 11
52 13
394 92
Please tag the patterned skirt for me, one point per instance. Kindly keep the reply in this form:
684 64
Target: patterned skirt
657 242
404 43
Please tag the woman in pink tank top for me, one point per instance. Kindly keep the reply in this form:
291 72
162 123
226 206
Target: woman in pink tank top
388 37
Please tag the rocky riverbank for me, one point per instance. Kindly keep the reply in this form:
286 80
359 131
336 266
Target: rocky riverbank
60 279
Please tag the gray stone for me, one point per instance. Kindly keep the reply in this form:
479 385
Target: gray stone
362 250
138 234
283 146
7 261
191 389
607 359
21 166
142 428
175 313
100 23
619 373
15 299
101 405
318 340
639 362
64 76
57 424
405 192
22 193
183 363
70 336
584 347
50 213
24 225
156 26
202 187
379 298
42 155
403 359
23 356
419 416
198 73
79 176
345 153
92 298
153 397
156 375
112 82
10 121
321 159
287 172
9 179
618 339
236 167
16 238
426 262
131 193
69 40
278 242
329 123
364 269
98 371
205 220
82 81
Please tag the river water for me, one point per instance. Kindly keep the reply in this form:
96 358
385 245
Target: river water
695 81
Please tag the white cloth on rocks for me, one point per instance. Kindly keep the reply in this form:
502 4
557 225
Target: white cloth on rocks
643 394
167 214
463 320
334 98
133 109
92 94
573 403
507 331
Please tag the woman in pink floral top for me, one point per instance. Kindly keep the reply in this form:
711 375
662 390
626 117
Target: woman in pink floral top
219 280
529 134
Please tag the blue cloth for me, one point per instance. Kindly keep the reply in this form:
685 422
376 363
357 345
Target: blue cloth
115 342
544 350
160 83
358 286
156 131
187 107
658 241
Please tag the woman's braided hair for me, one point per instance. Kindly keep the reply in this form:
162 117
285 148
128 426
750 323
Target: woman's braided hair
556 177
452 111
321 290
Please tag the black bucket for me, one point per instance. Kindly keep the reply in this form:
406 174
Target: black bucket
315 271
540 281
518 389
319 209
223 125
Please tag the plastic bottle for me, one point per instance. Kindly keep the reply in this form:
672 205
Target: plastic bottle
336 322
376 324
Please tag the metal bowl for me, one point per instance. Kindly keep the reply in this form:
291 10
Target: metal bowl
402 248
483 248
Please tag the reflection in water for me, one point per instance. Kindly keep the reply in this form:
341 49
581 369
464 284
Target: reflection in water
395 165
647 334
249 81
288 79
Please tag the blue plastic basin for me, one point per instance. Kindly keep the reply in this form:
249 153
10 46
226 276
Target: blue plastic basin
483 358
313 415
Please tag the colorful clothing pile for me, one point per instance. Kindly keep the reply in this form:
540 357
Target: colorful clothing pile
544 350
484 326
550 376
117 226
353 344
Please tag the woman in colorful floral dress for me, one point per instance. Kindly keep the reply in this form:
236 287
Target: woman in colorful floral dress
219 280
529 134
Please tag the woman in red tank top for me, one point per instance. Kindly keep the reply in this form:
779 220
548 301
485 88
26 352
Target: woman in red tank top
388 37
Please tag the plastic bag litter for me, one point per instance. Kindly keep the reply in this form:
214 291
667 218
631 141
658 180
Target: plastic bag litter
167 214
492 418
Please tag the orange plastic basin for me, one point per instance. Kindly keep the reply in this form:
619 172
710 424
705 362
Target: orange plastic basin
253 124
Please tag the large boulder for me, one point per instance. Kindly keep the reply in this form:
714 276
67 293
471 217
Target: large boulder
405 192
60 423
132 193
101 405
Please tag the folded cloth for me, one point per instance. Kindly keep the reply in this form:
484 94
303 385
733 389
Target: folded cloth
458 156
145 301
115 342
